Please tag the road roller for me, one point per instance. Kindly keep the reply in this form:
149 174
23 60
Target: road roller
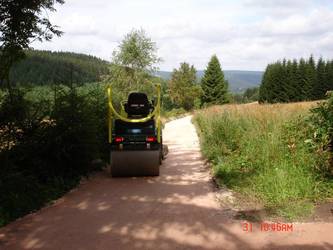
135 135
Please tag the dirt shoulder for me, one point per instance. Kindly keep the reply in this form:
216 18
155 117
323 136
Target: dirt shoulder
178 210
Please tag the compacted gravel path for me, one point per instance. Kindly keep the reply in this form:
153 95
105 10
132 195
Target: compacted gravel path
177 210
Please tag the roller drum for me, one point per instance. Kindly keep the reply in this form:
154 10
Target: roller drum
135 163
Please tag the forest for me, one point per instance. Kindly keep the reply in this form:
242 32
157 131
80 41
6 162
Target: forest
49 68
296 80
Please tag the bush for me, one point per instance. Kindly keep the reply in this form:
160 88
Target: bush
322 124
45 150
263 151
174 113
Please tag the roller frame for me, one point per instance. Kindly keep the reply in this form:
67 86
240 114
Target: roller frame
143 161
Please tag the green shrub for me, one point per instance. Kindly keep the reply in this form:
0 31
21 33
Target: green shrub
46 148
174 112
263 151
322 124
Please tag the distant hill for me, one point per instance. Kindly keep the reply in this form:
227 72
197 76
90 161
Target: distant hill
239 80
46 67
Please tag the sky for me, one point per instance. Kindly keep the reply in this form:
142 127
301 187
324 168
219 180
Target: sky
244 34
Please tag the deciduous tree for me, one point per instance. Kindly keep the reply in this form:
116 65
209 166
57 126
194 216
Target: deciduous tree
183 89
22 22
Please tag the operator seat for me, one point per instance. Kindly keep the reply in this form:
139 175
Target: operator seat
137 105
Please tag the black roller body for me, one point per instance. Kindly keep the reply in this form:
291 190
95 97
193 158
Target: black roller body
135 163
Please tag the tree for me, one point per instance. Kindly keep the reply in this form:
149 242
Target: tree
133 64
251 95
310 77
329 70
183 88
214 86
264 89
321 84
49 68
304 83
273 87
136 51
20 23
296 80
296 84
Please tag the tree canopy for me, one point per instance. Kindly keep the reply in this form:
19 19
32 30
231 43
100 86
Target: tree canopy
20 23
214 86
133 61
183 88
136 51
292 81
49 68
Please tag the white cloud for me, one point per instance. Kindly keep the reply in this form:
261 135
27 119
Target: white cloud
245 34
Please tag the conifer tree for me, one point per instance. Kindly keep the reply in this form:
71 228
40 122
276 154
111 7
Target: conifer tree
329 70
321 85
295 88
288 88
311 78
304 82
264 86
296 81
278 82
214 86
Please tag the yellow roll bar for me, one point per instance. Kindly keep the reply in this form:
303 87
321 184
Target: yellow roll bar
156 113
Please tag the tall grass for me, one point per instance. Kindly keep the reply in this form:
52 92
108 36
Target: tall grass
266 152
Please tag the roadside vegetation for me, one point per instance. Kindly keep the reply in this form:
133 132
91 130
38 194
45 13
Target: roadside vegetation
47 144
279 154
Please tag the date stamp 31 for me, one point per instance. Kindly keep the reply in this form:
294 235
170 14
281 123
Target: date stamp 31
268 227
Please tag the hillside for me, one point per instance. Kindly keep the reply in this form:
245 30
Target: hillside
238 80
46 67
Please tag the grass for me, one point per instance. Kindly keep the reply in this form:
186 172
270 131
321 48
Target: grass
264 152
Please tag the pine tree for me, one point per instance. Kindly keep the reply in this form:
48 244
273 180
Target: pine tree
214 86
329 70
296 81
296 89
310 77
278 83
289 91
304 82
263 89
321 85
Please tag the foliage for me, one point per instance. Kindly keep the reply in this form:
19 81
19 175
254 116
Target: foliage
266 153
132 66
50 68
136 51
20 23
214 86
250 95
48 144
291 81
322 122
183 90
173 113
